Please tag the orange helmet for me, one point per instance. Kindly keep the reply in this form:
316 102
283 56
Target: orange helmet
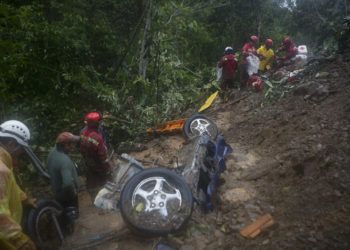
269 42
66 137
254 38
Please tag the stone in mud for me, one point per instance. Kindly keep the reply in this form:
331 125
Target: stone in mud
236 195
322 74
301 90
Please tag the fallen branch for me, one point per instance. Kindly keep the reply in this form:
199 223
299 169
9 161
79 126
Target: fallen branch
238 100
99 239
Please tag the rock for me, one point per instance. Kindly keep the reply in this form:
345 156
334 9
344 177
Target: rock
312 239
235 227
213 245
270 209
253 210
201 242
282 171
306 97
236 195
265 241
219 219
320 93
226 229
241 219
301 90
218 234
335 74
322 74
337 193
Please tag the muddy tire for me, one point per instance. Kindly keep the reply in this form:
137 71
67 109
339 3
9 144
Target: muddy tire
156 202
199 124
40 226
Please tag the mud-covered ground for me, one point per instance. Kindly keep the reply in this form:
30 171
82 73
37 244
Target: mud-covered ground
291 159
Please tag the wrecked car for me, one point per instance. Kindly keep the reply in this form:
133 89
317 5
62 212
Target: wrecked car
160 200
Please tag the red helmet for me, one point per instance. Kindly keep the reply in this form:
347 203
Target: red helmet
254 38
93 117
269 42
66 137
286 40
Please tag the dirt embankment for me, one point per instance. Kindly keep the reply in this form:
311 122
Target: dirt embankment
291 159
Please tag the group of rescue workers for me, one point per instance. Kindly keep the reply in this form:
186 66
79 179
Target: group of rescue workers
14 137
229 64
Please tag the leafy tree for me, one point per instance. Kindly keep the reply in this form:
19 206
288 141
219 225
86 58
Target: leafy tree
140 61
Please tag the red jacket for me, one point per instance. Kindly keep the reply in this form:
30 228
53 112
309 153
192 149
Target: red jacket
248 48
94 150
228 64
291 51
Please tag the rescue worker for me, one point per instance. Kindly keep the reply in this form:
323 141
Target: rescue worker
290 50
247 49
228 63
14 135
266 55
62 170
94 151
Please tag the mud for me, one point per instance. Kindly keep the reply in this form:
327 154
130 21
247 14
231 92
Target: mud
291 159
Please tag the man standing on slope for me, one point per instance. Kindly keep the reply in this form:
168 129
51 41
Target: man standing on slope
266 55
248 48
228 63
290 50
94 151
64 177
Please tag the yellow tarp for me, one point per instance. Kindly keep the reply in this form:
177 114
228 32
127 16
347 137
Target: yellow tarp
209 101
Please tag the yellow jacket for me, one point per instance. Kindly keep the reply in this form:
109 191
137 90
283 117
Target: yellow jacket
265 63
11 197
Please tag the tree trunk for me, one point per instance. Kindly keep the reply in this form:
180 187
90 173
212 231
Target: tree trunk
145 44
258 6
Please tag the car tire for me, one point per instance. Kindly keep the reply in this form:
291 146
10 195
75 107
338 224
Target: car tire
197 125
156 202
34 221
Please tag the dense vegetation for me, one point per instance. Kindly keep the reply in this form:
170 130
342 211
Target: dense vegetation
137 61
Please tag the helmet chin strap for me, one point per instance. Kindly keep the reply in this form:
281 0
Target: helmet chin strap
10 149
15 149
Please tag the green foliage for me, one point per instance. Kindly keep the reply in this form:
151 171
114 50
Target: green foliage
274 90
60 59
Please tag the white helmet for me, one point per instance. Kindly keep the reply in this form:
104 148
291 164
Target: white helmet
228 49
17 130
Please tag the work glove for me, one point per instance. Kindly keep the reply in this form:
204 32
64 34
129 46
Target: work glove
30 202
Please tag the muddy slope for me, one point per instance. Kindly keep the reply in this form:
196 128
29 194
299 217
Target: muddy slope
291 159
296 163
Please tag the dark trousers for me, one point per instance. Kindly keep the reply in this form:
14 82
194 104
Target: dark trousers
226 84
70 212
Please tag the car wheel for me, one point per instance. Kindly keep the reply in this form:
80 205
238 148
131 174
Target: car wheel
156 202
198 125
41 225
